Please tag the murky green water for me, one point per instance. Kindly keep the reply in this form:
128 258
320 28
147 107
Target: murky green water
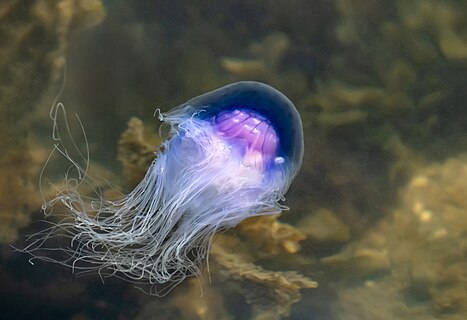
378 213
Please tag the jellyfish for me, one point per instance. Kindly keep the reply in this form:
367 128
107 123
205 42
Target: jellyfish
230 154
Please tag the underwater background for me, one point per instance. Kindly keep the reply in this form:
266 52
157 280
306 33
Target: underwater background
377 227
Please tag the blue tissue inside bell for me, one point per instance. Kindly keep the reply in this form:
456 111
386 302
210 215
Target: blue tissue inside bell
264 100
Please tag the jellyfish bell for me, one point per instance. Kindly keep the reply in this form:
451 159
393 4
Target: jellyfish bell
264 101
231 154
